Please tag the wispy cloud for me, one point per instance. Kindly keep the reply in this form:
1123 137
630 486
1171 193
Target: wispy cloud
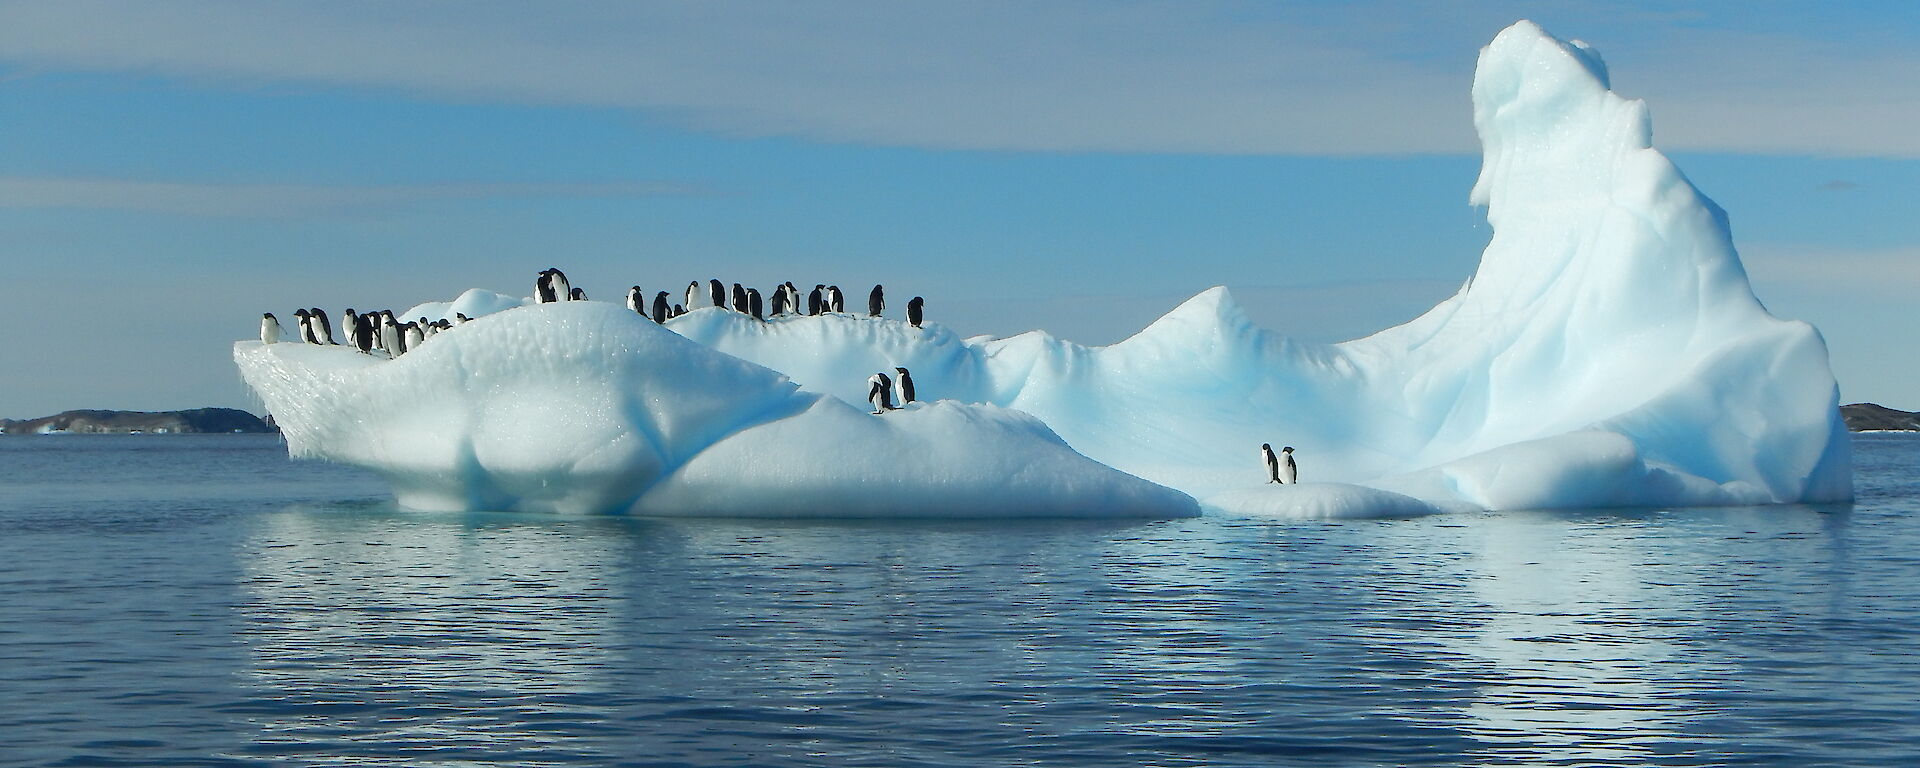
212 199
1893 271
1222 76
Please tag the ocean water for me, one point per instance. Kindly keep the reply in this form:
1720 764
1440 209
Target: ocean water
201 600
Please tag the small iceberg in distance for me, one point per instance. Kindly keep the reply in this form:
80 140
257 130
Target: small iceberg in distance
1608 351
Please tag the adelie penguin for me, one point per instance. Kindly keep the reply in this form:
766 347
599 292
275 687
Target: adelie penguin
876 302
777 304
322 329
836 301
718 293
1272 462
754 306
903 386
576 295
363 332
551 286
636 300
269 329
880 393
916 311
739 299
661 309
816 300
306 326
693 295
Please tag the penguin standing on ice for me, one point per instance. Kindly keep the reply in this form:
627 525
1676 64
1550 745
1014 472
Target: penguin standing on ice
693 295
836 301
739 299
561 287
543 288
1272 462
816 300
414 335
754 306
1289 471
363 333
718 293
637 300
661 307
876 302
269 329
777 305
903 386
306 326
322 329
880 393
391 337
679 310
793 298
916 311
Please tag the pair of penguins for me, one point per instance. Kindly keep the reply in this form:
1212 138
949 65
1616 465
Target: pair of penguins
1280 469
552 286
882 390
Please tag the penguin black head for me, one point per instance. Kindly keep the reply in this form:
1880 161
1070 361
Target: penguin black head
461 316
1266 446
268 316
902 371
577 294
300 313
1288 449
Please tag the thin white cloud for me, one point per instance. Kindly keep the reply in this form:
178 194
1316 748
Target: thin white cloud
212 199
1216 76
1893 271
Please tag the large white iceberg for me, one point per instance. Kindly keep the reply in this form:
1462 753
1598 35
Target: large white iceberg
1607 352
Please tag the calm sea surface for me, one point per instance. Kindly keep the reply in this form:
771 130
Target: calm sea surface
200 600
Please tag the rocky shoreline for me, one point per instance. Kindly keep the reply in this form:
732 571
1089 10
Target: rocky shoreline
98 422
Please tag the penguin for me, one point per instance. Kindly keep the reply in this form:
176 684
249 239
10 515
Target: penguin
322 329
1272 462
391 336
815 301
876 302
1289 471
880 393
636 300
903 386
346 325
429 327
679 310
916 311
793 299
718 293
543 292
836 301
739 299
306 326
363 333
269 328
754 306
777 305
577 295
661 307
693 295
562 290
460 318
414 336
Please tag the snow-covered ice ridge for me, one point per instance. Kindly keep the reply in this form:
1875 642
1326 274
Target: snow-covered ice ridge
1607 352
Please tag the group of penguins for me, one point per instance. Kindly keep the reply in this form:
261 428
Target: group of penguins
381 331
1280 468
365 332
552 286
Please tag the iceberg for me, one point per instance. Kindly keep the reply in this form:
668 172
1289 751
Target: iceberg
1608 351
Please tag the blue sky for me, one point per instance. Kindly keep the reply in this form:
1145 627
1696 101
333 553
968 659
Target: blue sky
170 170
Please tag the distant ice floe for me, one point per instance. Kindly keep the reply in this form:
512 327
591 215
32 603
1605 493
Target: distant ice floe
1607 352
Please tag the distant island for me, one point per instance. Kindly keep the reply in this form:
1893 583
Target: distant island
90 422
1868 417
